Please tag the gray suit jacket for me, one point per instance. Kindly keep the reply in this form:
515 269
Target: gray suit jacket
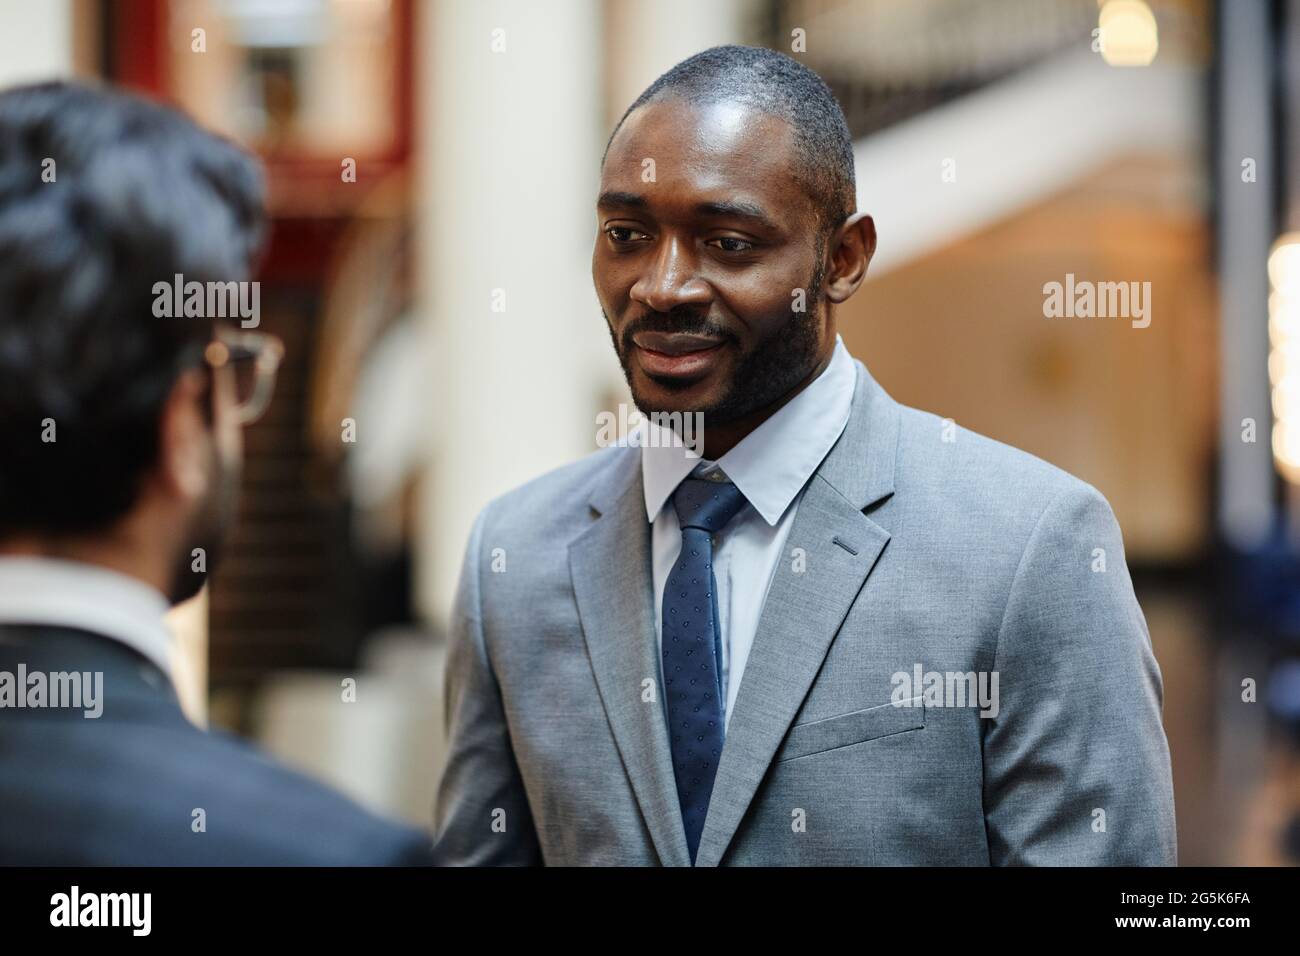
961 556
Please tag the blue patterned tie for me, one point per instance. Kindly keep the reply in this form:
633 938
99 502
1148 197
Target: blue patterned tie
692 648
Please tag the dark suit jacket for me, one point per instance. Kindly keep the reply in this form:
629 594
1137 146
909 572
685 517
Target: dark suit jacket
123 789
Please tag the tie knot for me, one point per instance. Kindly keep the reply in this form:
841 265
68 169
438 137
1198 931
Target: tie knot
709 505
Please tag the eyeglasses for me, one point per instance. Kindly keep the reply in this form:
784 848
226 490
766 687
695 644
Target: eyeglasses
253 357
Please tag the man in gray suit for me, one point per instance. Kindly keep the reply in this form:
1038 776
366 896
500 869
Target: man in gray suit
850 633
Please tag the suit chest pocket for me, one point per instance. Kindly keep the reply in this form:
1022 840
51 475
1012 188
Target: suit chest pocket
857 727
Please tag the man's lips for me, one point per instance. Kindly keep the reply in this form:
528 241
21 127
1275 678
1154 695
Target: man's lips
676 354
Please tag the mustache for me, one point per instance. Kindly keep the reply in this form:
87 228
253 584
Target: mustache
683 319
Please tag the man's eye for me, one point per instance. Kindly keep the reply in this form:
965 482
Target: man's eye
731 244
623 233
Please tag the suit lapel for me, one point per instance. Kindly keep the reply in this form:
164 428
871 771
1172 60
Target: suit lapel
805 608
612 583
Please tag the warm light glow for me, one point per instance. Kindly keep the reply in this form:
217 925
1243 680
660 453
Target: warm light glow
1284 264
1284 353
1285 394
1283 363
1286 451
1128 33
1283 321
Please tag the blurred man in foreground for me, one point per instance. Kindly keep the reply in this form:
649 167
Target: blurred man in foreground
119 458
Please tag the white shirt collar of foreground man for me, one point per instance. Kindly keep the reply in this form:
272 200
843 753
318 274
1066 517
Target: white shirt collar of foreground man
774 462
59 593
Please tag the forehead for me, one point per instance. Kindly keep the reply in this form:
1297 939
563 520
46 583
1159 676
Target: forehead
719 151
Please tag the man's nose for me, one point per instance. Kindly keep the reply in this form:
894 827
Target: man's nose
672 278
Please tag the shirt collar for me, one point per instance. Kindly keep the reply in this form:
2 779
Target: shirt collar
774 461
51 591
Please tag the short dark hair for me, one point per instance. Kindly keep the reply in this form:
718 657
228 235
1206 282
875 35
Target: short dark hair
102 194
777 85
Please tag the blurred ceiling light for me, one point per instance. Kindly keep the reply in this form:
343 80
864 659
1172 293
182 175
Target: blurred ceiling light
1284 265
1128 33
1286 451
1284 353
1283 317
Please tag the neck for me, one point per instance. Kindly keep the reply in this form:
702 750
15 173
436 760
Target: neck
112 551
720 439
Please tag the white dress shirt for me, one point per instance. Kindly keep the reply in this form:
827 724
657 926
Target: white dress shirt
771 467
87 597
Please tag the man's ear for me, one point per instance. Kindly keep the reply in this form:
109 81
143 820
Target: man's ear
851 249
182 438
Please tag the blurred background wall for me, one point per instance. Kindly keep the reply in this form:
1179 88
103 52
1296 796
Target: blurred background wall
433 168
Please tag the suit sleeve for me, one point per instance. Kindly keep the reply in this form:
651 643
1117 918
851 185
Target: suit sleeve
1076 764
482 815
399 846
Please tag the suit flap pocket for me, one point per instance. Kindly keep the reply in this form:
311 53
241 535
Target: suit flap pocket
855 728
